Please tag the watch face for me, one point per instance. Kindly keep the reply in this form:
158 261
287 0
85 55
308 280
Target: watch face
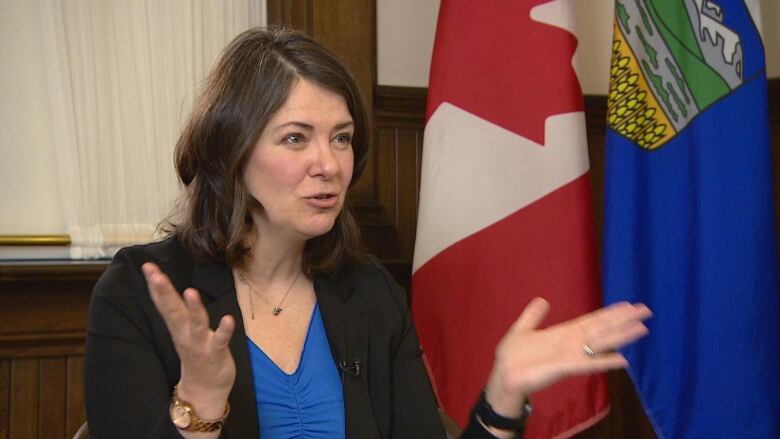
180 416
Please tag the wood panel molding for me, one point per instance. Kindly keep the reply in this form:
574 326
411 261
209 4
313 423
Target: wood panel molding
45 307
54 272
397 107
405 106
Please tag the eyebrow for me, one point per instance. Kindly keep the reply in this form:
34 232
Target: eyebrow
309 127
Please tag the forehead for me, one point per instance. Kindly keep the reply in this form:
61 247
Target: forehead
311 103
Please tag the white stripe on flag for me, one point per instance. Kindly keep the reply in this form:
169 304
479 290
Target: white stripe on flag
476 173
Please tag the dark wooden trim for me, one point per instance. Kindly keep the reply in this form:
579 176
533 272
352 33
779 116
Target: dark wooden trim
595 110
57 271
396 106
42 345
774 102
400 106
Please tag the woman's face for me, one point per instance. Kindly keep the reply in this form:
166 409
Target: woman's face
302 163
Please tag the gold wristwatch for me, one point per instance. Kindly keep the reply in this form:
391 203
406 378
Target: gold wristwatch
184 417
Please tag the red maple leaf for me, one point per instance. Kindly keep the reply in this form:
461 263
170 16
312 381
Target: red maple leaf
491 59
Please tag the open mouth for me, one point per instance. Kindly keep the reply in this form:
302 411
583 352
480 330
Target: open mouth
323 200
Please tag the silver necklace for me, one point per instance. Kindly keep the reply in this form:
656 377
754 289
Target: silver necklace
278 308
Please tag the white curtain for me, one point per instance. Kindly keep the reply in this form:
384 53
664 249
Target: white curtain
122 75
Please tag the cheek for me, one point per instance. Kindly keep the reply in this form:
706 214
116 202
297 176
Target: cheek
275 174
347 167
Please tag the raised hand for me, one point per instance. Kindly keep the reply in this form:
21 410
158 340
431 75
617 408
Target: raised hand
207 367
529 359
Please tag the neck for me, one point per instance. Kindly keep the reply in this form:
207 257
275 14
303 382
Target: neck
273 259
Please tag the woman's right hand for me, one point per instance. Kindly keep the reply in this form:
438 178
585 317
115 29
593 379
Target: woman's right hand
207 367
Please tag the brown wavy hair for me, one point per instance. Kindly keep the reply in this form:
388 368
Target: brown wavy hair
251 81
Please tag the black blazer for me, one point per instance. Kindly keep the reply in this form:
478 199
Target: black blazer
131 365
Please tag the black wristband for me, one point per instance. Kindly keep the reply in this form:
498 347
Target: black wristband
485 414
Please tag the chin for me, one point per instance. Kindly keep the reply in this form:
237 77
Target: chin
319 228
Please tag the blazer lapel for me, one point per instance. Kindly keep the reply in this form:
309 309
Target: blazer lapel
347 326
216 283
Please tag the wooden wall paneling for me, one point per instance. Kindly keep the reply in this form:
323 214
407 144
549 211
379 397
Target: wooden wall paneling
74 404
373 214
595 118
347 28
407 180
52 397
45 307
399 114
385 148
774 122
33 328
25 388
295 14
5 398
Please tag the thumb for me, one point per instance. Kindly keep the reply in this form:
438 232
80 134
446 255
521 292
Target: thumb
532 316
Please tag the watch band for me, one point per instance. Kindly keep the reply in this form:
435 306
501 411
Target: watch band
184 417
484 412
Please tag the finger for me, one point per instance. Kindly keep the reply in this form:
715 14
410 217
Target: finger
603 362
619 338
628 311
198 317
224 331
595 320
612 318
532 316
164 295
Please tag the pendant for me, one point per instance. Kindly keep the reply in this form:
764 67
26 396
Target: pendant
277 311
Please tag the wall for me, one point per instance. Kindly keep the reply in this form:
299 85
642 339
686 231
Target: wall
31 204
403 58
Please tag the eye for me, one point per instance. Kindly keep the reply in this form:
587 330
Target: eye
343 139
293 139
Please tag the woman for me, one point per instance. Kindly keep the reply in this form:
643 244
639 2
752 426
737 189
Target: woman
282 327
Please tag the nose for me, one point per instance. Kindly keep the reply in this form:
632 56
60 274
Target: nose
325 165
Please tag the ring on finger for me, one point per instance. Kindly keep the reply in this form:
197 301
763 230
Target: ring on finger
588 350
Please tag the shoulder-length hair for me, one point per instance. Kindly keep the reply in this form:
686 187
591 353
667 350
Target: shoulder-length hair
252 80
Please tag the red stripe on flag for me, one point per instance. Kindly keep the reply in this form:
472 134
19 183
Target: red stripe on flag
467 296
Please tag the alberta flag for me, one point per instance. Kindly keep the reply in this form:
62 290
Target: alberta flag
505 203
689 215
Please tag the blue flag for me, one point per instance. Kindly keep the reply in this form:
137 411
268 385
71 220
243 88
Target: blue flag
689 224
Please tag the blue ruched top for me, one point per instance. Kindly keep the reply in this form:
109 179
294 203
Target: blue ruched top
307 404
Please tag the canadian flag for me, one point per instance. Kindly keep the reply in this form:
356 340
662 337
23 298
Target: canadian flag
505 205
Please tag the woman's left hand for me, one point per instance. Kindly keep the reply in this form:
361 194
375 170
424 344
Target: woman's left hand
528 359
